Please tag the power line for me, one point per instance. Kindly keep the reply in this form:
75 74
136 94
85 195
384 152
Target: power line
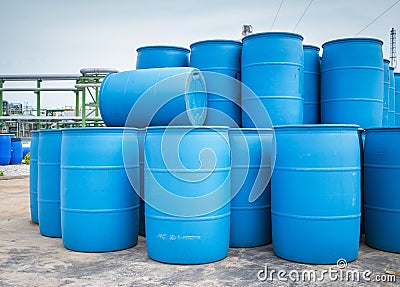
276 15
379 16
304 13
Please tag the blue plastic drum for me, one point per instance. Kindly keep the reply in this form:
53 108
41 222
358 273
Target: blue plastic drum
316 193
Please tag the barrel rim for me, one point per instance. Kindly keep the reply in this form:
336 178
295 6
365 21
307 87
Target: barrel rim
317 126
167 47
216 41
266 34
311 47
251 129
386 61
48 131
122 129
391 68
396 73
355 39
1 134
186 128
383 129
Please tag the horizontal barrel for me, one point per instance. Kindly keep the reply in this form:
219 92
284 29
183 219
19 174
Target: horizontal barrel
153 97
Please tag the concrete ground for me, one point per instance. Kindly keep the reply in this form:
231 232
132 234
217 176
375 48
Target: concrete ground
29 259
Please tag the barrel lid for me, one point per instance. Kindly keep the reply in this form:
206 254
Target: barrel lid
273 34
165 47
318 126
397 73
386 61
391 68
311 47
216 41
355 39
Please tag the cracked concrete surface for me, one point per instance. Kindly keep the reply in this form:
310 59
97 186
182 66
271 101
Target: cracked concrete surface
29 259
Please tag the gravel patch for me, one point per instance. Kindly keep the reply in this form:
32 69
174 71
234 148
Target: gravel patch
14 170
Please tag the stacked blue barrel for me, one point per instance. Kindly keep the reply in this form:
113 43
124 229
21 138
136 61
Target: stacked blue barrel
194 136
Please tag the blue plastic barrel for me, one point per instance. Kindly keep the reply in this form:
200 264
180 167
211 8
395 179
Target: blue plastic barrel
49 182
273 68
33 176
162 57
16 151
223 57
392 92
142 226
315 193
382 186
351 82
158 96
99 207
397 99
187 194
312 66
5 149
251 171
25 150
386 84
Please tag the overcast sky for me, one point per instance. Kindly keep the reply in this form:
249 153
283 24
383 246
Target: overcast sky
50 36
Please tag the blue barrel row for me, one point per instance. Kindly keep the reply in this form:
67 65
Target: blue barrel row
228 200
84 195
11 151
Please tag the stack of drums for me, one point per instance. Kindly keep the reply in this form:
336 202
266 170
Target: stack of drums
49 156
219 61
316 193
381 187
250 189
312 66
187 194
33 176
351 82
273 68
99 207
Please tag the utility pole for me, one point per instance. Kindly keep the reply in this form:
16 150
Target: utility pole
393 54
